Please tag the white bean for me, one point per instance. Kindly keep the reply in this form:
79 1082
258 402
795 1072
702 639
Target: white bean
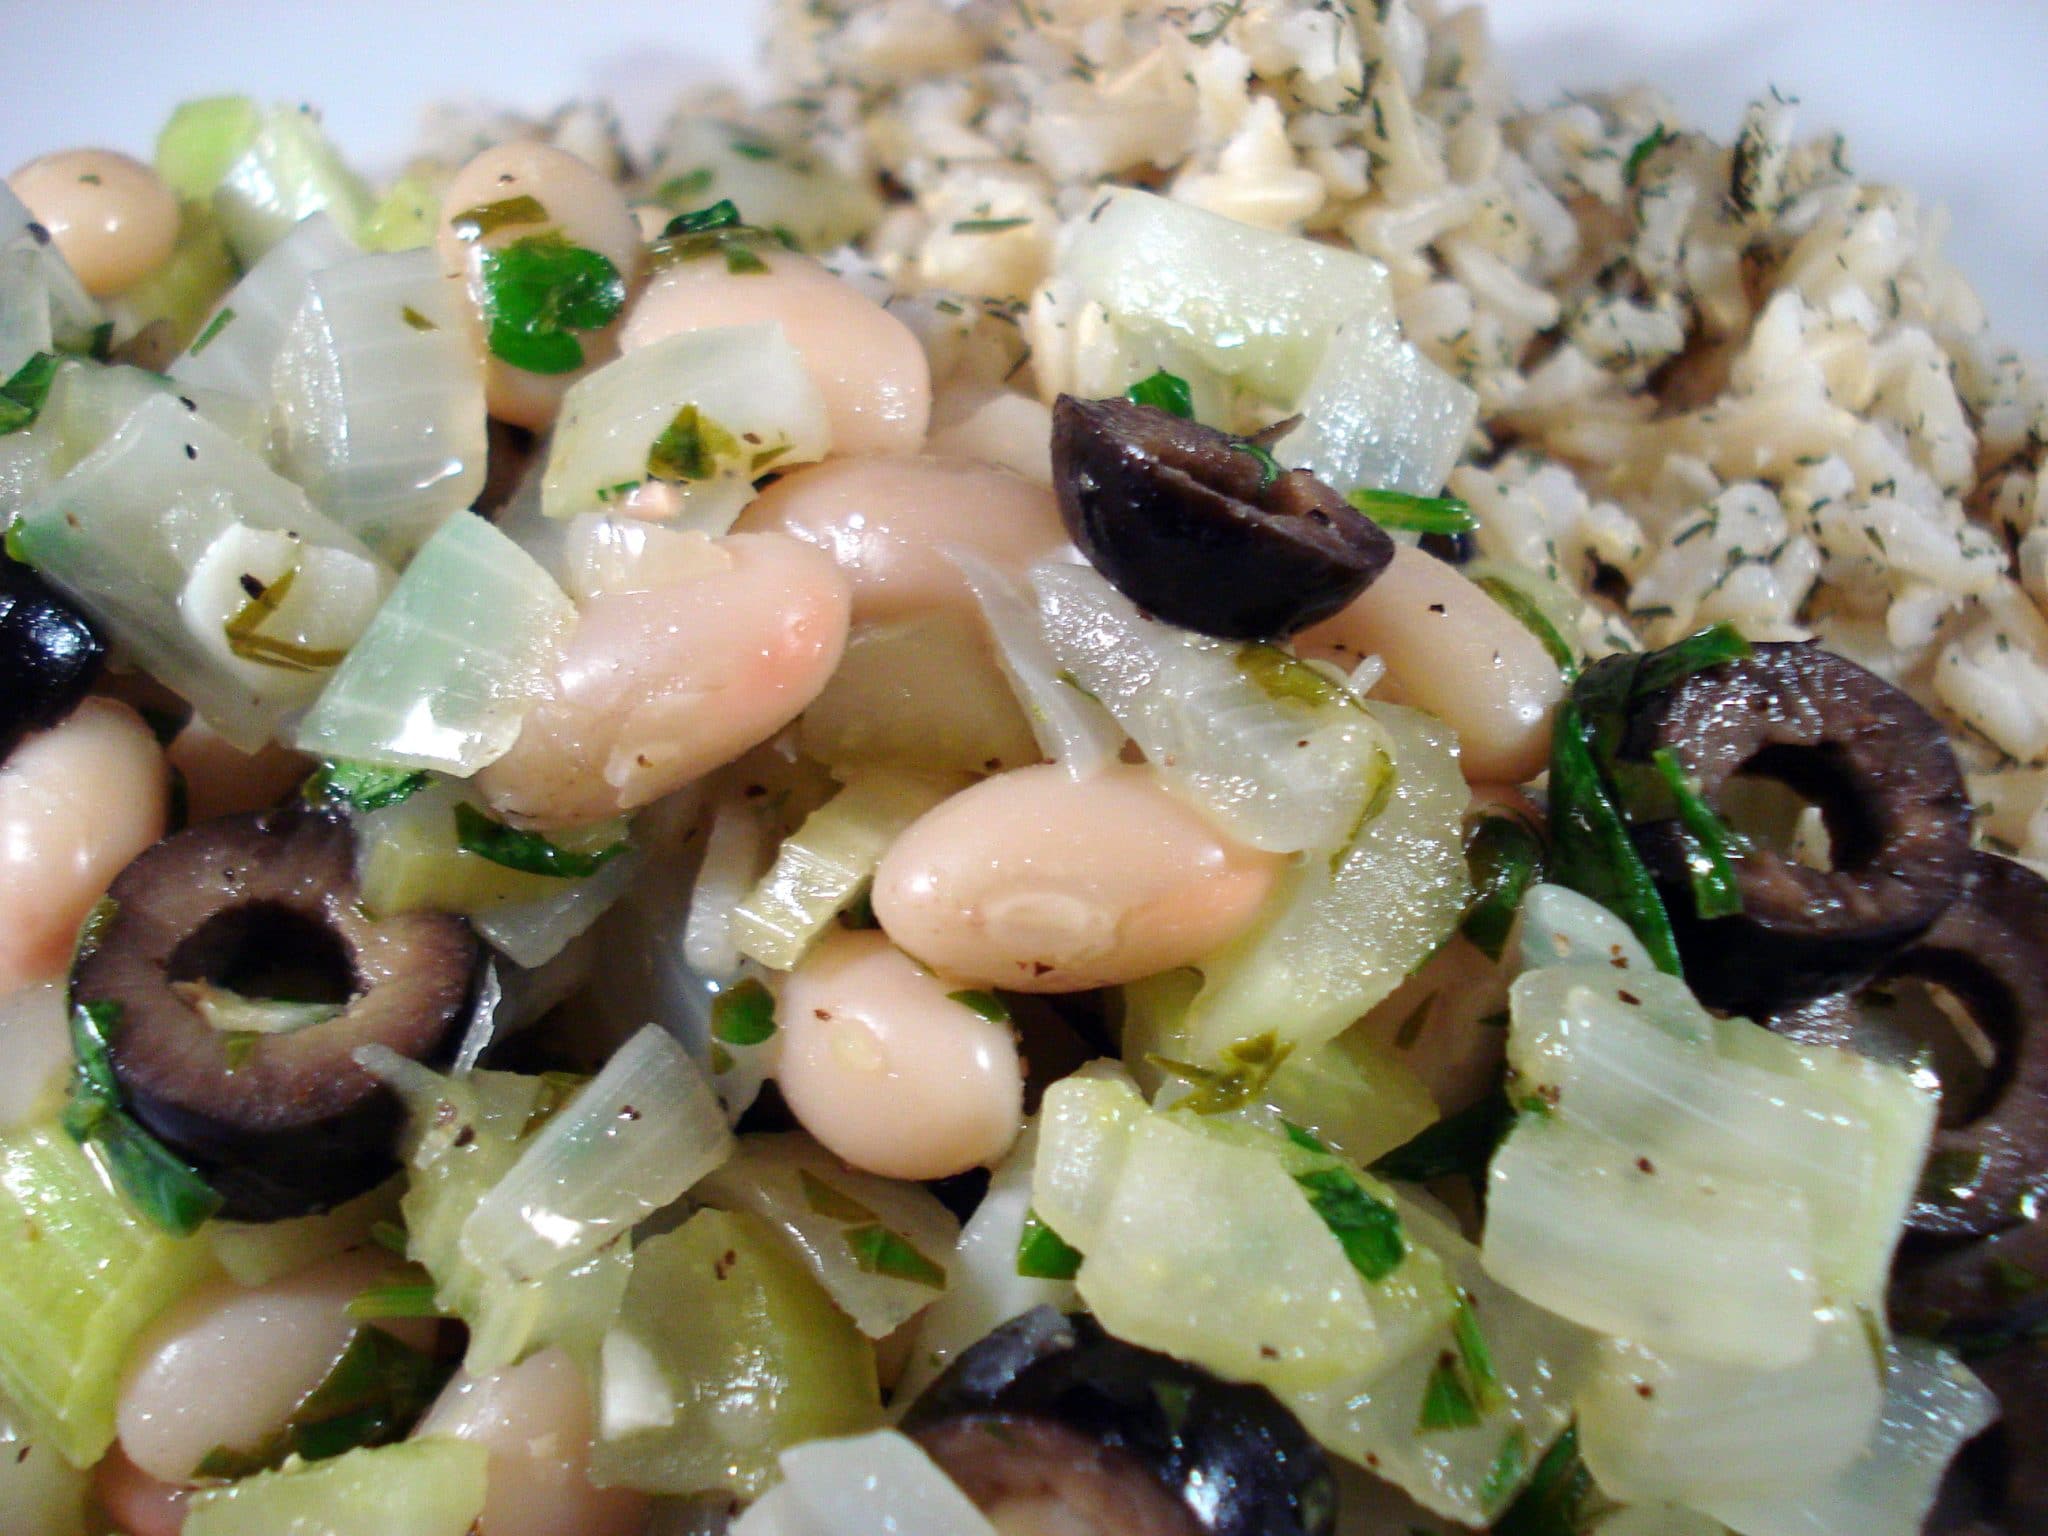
581 204
1038 883
888 1069
1454 651
886 522
656 688
112 218
138 1504
867 364
77 803
223 780
226 1366
535 1420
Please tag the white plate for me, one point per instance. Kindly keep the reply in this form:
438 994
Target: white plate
1943 95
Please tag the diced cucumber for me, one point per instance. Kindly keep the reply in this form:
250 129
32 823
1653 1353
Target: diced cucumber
202 139
432 1487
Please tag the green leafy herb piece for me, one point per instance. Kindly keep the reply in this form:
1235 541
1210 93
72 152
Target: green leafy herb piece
1446 1404
1167 391
680 189
1367 1227
691 447
415 319
527 852
363 786
1042 1254
720 215
987 1004
246 639
1475 1357
214 327
1536 621
1712 845
164 1188
717 231
986 226
1269 467
1505 857
1460 1144
1285 678
744 1014
1243 1069
1561 1499
398 1298
1302 1137
754 149
1590 847
540 290
1510 1467
473 224
878 1251
1645 147
22 396
1414 514
830 1200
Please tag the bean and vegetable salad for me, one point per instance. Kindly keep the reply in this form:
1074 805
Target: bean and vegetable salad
1039 793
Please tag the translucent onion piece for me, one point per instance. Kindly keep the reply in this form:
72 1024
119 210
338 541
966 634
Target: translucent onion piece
432 1487
123 532
696 417
43 306
43 1494
379 399
1084 1133
824 864
448 669
882 1482
532 933
633 1139
1662 1428
1932 1406
732 863
623 554
815 1202
1248 302
89 402
1337 941
1279 771
1558 926
236 351
1677 1260
323 599
700 160
1073 730
1379 414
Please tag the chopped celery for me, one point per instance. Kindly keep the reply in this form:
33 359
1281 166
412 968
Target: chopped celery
431 1487
258 1253
202 139
380 399
725 1354
700 161
698 417
134 535
42 1493
445 673
824 864
406 215
80 1277
833 1215
237 349
183 291
287 172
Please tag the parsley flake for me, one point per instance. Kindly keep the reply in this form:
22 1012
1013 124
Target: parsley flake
538 292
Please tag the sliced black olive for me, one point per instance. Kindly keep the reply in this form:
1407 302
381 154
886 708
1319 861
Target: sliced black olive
1998 1486
1203 529
50 654
266 907
1051 1410
1881 771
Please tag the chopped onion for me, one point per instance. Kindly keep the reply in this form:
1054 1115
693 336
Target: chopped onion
43 305
445 673
632 1140
532 933
823 865
701 160
881 1248
1073 729
732 863
881 1483
236 351
1281 756
126 530
697 418
43 1494
1558 926
1084 1133
379 398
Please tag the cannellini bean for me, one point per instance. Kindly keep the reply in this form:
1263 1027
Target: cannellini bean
35 1046
138 1504
112 218
77 803
1452 650
889 1070
226 1366
535 1420
887 521
867 364
1039 883
223 780
585 207
1444 1023
656 688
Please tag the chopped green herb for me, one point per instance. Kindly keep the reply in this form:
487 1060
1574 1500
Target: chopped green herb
1712 845
754 149
1367 1227
416 320
1042 1254
830 1200
878 1251
691 447
22 396
527 852
1645 147
722 214
609 493
987 1004
246 639
1535 620
1590 847
1445 1402
716 231
1227 13
538 291
744 1014
1561 1498
1510 1467
164 1188
1460 1144
1285 678
678 190
473 224
1414 514
1169 392
1475 1358
99 343
363 786
399 1298
986 226
1269 467
1302 1137
214 327
388 1235
1243 1070
1505 857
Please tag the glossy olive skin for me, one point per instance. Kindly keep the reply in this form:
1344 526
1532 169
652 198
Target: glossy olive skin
1202 529
1887 782
1229 1458
279 1124
50 654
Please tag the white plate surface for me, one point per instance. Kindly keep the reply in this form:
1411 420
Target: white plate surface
1944 95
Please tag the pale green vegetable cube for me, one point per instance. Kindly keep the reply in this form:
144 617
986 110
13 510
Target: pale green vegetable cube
419 1488
1084 1131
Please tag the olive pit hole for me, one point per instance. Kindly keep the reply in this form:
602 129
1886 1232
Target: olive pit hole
267 952
1768 798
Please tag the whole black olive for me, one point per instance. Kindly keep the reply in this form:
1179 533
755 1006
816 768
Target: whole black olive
1203 529
1050 1409
1881 771
50 654
258 908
